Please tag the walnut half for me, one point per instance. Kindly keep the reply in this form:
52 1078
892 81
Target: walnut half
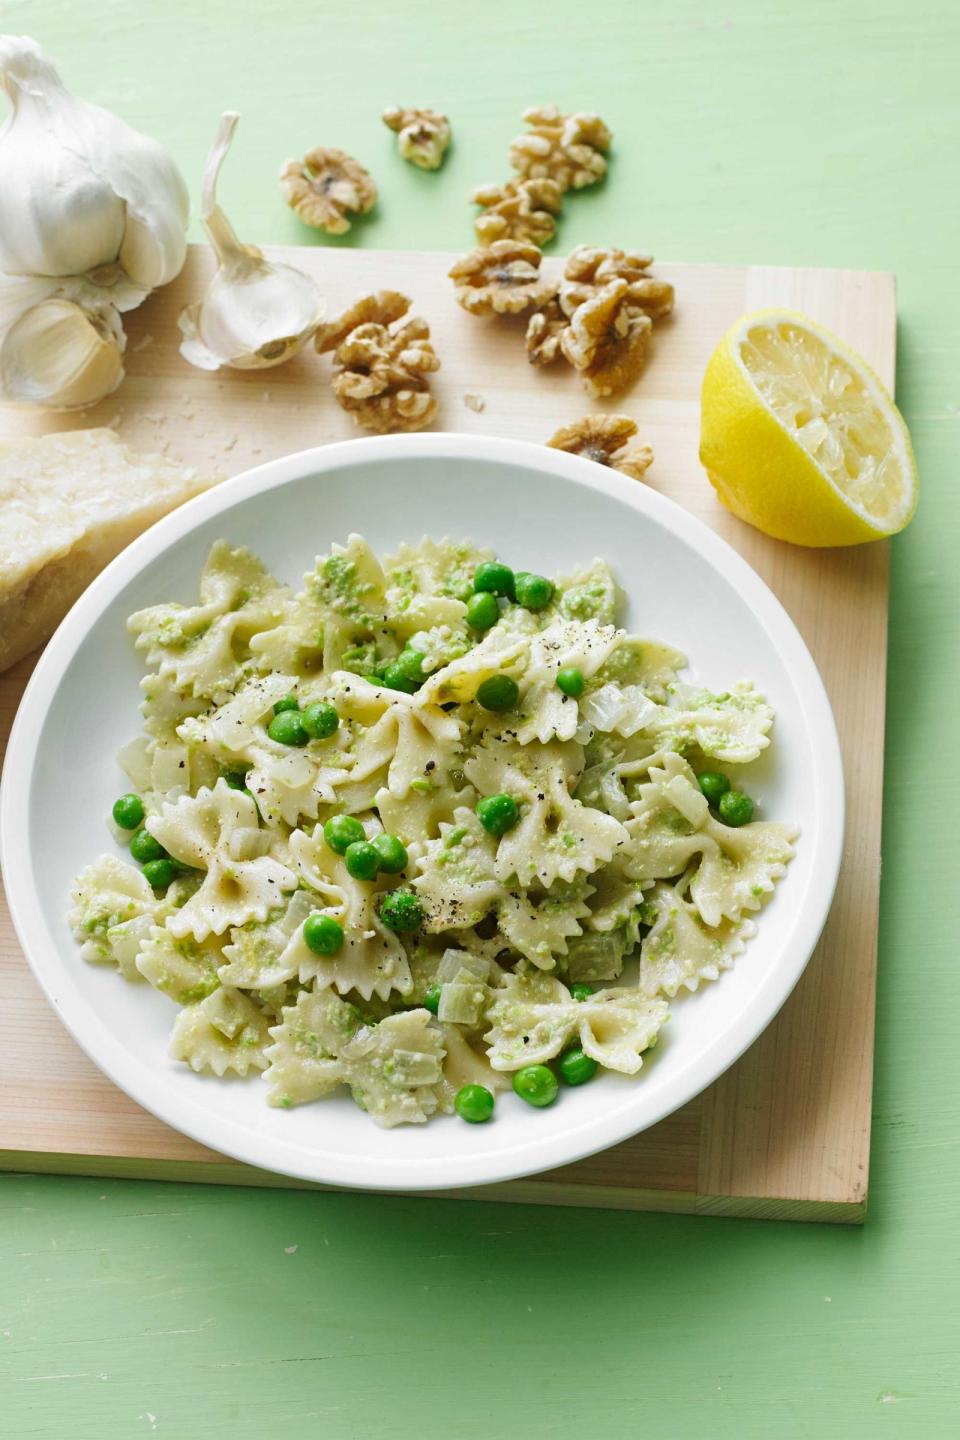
382 364
325 187
590 267
544 332
423 135
518 210
607 340
570 149
501 279
608 440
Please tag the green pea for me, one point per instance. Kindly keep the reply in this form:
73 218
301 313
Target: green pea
482 610
570 680
581 992
286 702
575 1067
534 592
323 934
713 785
362 860
537 1085
128 811
342 831
401 911
144 848
498 693
493 577
395 679
474 1103
236 779
287 728
497 813
735 808
411 665
320 720
159 873
431 1001
392 853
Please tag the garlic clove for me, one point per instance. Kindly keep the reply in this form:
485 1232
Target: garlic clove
63 356
255 313
83 193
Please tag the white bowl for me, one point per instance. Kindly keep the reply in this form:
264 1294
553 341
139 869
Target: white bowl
542 510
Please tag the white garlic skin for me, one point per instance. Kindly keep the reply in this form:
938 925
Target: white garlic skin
252 317
81 191
254 313
62 356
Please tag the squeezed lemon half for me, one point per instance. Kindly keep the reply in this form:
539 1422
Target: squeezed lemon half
800 438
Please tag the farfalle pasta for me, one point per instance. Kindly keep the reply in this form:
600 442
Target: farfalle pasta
423 824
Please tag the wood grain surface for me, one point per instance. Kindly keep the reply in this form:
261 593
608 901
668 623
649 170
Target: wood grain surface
785 1133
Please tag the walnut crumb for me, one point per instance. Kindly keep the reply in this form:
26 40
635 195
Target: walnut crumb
608 440
325 187
382 364
544 331
423 135
590 267
501 279
569 149
607 340
476 403
517 210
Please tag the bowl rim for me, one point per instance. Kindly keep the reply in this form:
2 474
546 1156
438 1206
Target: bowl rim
146 1086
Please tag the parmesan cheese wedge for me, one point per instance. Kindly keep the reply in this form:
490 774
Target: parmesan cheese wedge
69 503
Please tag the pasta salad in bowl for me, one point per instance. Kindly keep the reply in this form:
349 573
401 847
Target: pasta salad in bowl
424 833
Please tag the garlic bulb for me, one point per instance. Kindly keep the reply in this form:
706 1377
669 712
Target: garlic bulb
83 193
62 355
254 313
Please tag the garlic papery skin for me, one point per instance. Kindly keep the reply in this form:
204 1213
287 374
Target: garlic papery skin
63 356
83 194
255 313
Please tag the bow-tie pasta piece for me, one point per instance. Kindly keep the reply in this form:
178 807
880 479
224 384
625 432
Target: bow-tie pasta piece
733 726
395 1069
184 969
200 649
647 663
616 1026
680 951
669 824
740 869
226 1033
197 831
587 594
556 836
303 1060
372 960
546 712
457 882
114 910
539 924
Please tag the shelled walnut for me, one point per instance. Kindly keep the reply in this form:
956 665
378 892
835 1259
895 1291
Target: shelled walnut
382 363
327 186
608 440
378 307
607 340
517 210
423 135
501 279
590 267
544 331
569 149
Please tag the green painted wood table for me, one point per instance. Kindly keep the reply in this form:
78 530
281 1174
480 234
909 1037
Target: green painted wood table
822 134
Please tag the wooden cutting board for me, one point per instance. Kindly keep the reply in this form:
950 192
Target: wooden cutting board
785 1133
